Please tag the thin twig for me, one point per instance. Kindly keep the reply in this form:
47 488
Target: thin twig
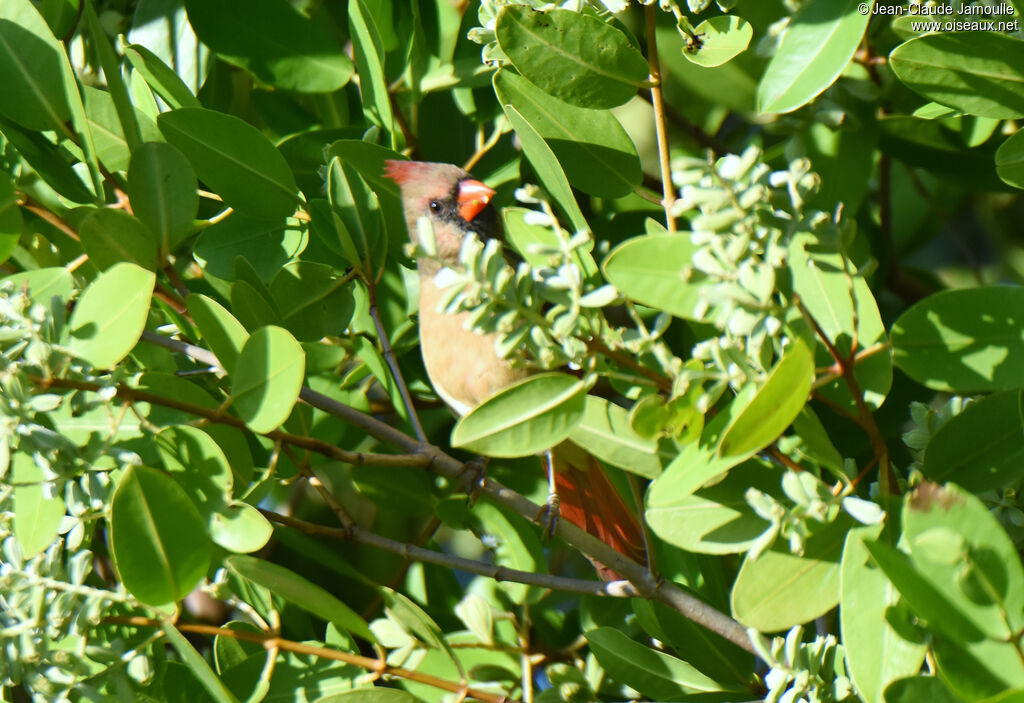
483 147
273 641
392 361
355 533
658 105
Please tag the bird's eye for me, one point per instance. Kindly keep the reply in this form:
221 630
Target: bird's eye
435 205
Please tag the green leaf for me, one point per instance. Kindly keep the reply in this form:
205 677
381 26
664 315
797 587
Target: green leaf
111 314
547 167
655 674
515 544
357 221
527 417
920 688
779 590
984 579
1010 160
575 57
655 270
266 245
369 56
10 217
597 155
716 519
48 161
606 433
110 236
719 40
223 333
824 287
110 62
371 695
161 78
945 344
234 159
163 191
267 378
979 73
817 46
105 125
157 539
32 92
982 448
198 666
37 512
876 653
297 590
49 286
280 45
775 406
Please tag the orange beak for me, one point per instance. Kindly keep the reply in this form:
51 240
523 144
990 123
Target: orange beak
473 197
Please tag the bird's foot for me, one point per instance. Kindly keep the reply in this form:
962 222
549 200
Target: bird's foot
549 516
473 474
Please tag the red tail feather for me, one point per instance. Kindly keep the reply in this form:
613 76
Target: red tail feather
590 501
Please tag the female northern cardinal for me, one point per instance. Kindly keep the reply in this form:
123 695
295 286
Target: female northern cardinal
465 368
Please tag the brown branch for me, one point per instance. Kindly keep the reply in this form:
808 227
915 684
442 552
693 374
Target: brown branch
598 345
355 533
392 361
413 460
646 584
44 214
271 641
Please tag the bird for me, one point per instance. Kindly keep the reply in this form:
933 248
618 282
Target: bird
465 368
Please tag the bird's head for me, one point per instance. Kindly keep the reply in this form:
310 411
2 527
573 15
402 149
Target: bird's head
454 202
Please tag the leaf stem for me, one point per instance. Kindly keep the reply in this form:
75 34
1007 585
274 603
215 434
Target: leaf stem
658 105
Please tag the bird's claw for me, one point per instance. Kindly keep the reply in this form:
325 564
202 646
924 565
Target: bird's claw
548 516
473 474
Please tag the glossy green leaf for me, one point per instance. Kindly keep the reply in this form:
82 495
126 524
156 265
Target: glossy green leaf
987 585
234 159
357 222
110 62
266 245
716 519
920 688
719 40
984 78
47 285
32 92
157 539
606 433
527 417
267 378
110 236
105 124
48 161
10 217
222 332
876 653
299 591
37 512
239 527
597 155
657 675
111 314
251 306
979 670
163 192
1010 160
775 406
198 666
945 344
544 162
573 56
822 283
280 45
656 270
160 77
368 51
817 46
982 448
779 590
